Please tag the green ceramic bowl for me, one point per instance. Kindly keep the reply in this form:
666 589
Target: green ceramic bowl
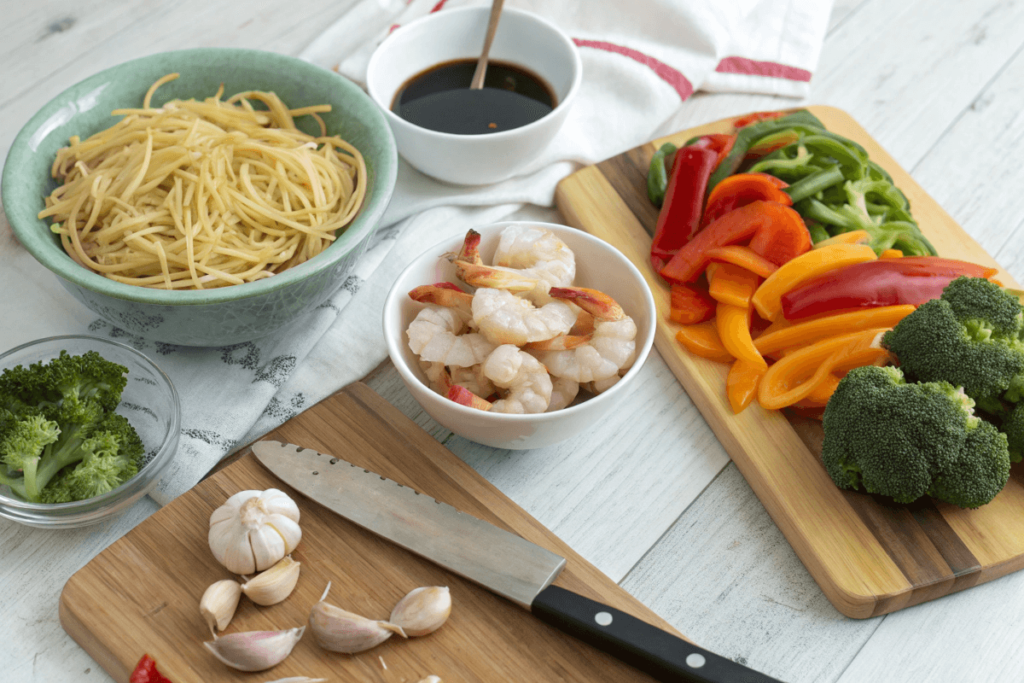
227 315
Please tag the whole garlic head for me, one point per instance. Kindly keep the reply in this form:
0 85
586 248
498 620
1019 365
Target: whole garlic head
253 530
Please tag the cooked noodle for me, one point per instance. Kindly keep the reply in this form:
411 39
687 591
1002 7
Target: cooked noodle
194 195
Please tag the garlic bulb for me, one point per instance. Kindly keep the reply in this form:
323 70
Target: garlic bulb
339 631
423 611
255 650
275 584
252 530
219 603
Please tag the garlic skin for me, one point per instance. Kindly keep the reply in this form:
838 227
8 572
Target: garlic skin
275 584
255 650
219 603
423 610
339 631
252 530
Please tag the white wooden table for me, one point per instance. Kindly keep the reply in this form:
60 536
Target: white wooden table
650 497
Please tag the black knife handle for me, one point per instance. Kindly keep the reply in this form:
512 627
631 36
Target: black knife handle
637 643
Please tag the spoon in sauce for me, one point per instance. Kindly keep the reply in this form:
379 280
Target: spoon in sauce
492 28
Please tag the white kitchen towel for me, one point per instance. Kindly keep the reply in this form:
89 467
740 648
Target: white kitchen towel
642 60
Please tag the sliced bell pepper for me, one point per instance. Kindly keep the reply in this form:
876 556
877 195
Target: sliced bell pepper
888 282
770 143
741 384
743 257
731 284
823 392
720 142
691 305
754 117
891 253
768 297
732 228
679 218
796 375
783 241
852 237
146 672
733 324
657 173
703 340
741 189
805 333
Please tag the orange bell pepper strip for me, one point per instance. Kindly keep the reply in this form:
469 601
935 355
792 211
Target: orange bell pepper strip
754 117
732 228
793 377
823 392
741 384
782 242
891 253
690 305
852 237
805 333
742 189
733 324
744 257
703 340
733 285
768 297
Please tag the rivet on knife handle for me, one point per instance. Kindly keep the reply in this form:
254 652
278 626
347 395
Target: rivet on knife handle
635 642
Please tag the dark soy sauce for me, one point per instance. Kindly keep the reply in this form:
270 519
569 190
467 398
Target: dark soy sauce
440 99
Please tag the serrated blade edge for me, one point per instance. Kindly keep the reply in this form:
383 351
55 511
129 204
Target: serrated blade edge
498 560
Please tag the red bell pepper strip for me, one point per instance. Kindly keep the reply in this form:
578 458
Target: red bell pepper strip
720 142
691 305
783 242
679 219
145 672
885 282
741 189
732 228
754 117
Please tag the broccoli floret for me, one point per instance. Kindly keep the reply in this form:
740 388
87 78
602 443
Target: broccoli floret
906 440
56 419
969 337
1013 428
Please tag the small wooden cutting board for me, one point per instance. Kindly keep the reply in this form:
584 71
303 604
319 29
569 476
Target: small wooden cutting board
141 595
867 556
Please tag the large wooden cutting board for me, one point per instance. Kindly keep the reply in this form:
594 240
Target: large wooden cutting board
141 595
868 557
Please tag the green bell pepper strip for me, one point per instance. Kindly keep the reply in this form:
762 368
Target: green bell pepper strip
817 230
812 185
657 174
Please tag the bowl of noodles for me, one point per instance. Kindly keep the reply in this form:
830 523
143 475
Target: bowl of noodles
203 197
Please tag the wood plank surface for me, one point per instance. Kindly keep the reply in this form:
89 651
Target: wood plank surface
159 615
869 558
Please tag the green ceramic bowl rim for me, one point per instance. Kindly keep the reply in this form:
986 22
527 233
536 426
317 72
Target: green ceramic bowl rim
34 233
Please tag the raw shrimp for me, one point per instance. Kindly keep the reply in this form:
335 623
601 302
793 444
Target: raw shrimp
563 392
504 318
598 355
436 335
437 376
525 379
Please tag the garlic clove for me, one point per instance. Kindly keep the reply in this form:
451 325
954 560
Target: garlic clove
255 650
423 610
267 546
288 529
340 631
219 603
275 584
278 503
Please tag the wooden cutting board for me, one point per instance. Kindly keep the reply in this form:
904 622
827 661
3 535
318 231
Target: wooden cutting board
868 557
141 595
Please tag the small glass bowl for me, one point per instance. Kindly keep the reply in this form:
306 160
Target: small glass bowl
150 403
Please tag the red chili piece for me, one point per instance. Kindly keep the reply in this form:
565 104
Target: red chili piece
145 672
886 282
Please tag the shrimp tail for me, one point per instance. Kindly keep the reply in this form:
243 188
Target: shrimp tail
464 396
443 294
479 275
598 304
471 248
562 342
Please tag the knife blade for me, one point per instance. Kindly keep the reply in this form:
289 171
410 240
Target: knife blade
498 560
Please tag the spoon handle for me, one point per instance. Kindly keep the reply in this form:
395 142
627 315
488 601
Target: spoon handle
481 65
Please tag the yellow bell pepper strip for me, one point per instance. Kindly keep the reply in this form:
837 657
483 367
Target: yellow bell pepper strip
805 333
852 237
741 385
891 253
733 324
795 375
731 284
768 297
703 340
690 305
820 395
744 257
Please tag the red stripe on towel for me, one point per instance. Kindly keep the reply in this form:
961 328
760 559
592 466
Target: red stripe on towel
674 78
438 6
742 65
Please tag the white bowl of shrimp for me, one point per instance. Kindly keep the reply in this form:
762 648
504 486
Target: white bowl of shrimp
519 335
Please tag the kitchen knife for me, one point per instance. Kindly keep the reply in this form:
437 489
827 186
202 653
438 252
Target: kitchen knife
500 561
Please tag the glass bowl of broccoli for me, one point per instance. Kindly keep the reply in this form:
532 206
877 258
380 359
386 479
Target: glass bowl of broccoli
87 427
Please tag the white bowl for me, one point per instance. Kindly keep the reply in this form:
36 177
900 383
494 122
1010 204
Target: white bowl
523 39
598 265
